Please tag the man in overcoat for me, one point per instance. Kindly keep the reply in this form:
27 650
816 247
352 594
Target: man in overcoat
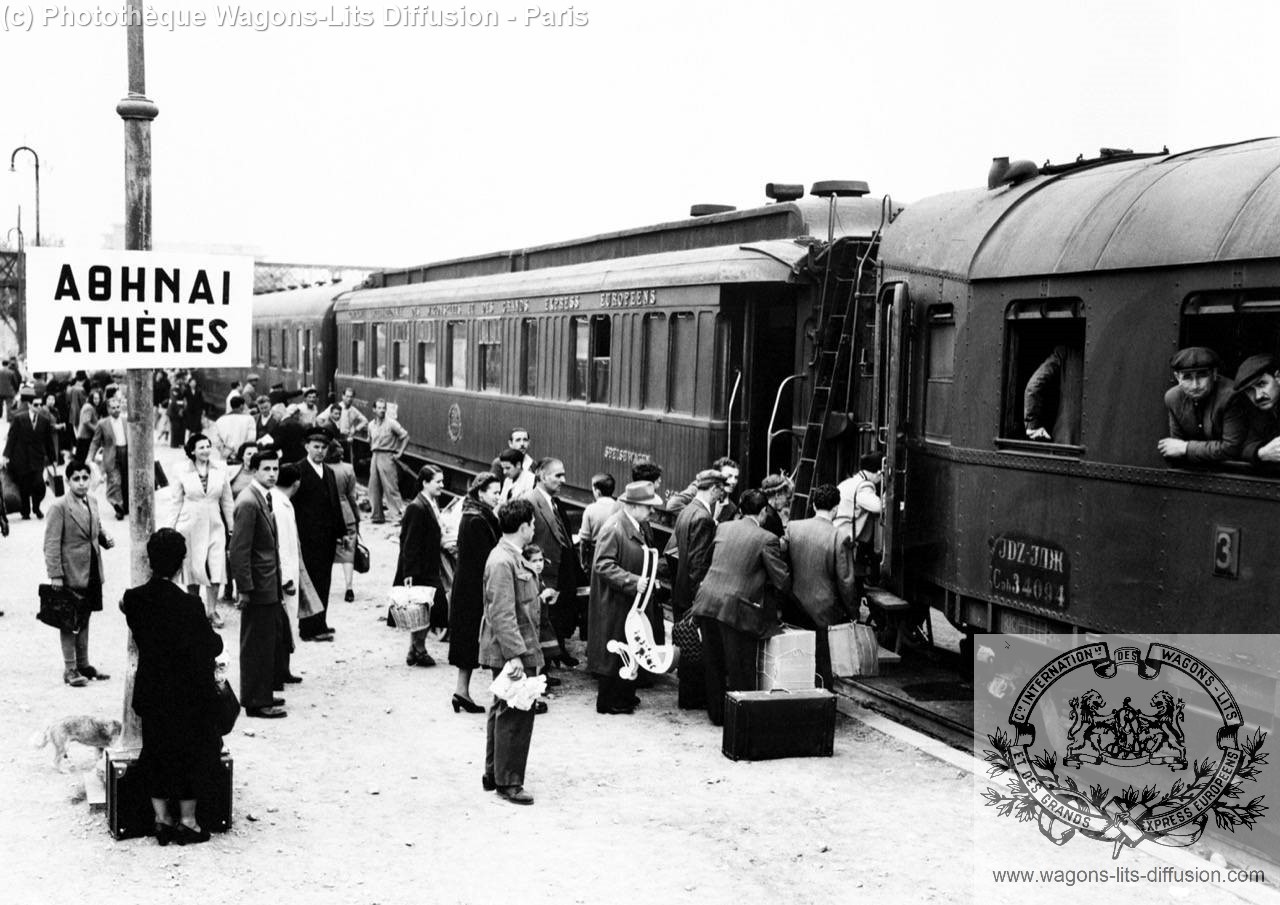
734 605
111 437
27 450
691 544
509 642
616 578
320 524
822 572
551 533
255 565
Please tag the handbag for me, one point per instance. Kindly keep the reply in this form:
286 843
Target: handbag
59 608
226 707
684 635
360 556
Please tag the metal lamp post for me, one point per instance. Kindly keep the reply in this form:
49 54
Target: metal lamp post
13 168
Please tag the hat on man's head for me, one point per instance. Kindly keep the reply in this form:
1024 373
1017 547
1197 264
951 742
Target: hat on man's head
640 493
708 478
1253 369
27 393
318 436
252 378
1195 358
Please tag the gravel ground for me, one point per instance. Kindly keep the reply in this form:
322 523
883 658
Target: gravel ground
370 791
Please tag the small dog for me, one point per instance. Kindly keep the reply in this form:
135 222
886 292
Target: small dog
87 730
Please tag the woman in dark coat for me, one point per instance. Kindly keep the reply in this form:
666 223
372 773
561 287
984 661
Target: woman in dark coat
193 408
174 695
177 433
478 534
420 552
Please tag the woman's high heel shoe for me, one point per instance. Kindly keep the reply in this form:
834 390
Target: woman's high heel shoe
461 703
164 833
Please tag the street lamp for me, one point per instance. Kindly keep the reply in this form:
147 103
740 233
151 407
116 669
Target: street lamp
13 169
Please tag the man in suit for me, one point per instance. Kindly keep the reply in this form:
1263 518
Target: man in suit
551 533
616 578
255 564
691 544
320 524
823 582
734 605
27 450
111 438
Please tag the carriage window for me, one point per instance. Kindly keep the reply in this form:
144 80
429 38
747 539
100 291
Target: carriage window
940 375
489 349
1044 376
377 350
305 338
721 386
262 347
427 353
399 360
654 362
580 339
271 348
456 366
284 348
358 350
601 354
682 362
529 357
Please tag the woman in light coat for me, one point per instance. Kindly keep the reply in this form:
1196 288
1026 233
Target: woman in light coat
204 516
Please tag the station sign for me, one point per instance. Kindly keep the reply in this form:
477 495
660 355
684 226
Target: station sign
107 310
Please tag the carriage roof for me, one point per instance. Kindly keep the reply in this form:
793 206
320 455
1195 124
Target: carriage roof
1212 204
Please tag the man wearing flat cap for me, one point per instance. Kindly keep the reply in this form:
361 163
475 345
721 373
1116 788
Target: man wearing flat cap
1207 422
691 542
615 580
320 524
1257 381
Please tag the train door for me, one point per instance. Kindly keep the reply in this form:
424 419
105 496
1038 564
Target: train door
892 334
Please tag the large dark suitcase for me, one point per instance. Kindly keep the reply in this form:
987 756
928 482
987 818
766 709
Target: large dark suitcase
129 811
761 725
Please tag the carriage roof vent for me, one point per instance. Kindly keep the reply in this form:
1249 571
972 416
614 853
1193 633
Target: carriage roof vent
706 210
1003 172
784 191
840 188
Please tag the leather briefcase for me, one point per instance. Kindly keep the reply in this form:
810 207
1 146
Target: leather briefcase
763 725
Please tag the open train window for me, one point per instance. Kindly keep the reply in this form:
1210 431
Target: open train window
592 340
377 349
1235 324
489 350
455 367
400 350
940 366
427 353
1044 376
654 362
357 350
271 351
529 357
304 349
262 347
284 348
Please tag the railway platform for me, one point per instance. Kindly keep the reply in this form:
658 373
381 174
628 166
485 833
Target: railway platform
369 791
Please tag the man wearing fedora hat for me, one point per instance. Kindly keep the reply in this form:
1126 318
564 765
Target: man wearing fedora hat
27 450
615 581
1206 420
691 543
1258 380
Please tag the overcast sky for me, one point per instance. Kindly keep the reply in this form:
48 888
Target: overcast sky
388 144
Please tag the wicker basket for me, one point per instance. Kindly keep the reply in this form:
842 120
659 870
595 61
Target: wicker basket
411 607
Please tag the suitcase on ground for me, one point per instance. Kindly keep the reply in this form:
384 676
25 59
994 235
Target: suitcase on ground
129 811
762 725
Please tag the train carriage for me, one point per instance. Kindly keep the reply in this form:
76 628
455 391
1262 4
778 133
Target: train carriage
636 352
1114 264
293 344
